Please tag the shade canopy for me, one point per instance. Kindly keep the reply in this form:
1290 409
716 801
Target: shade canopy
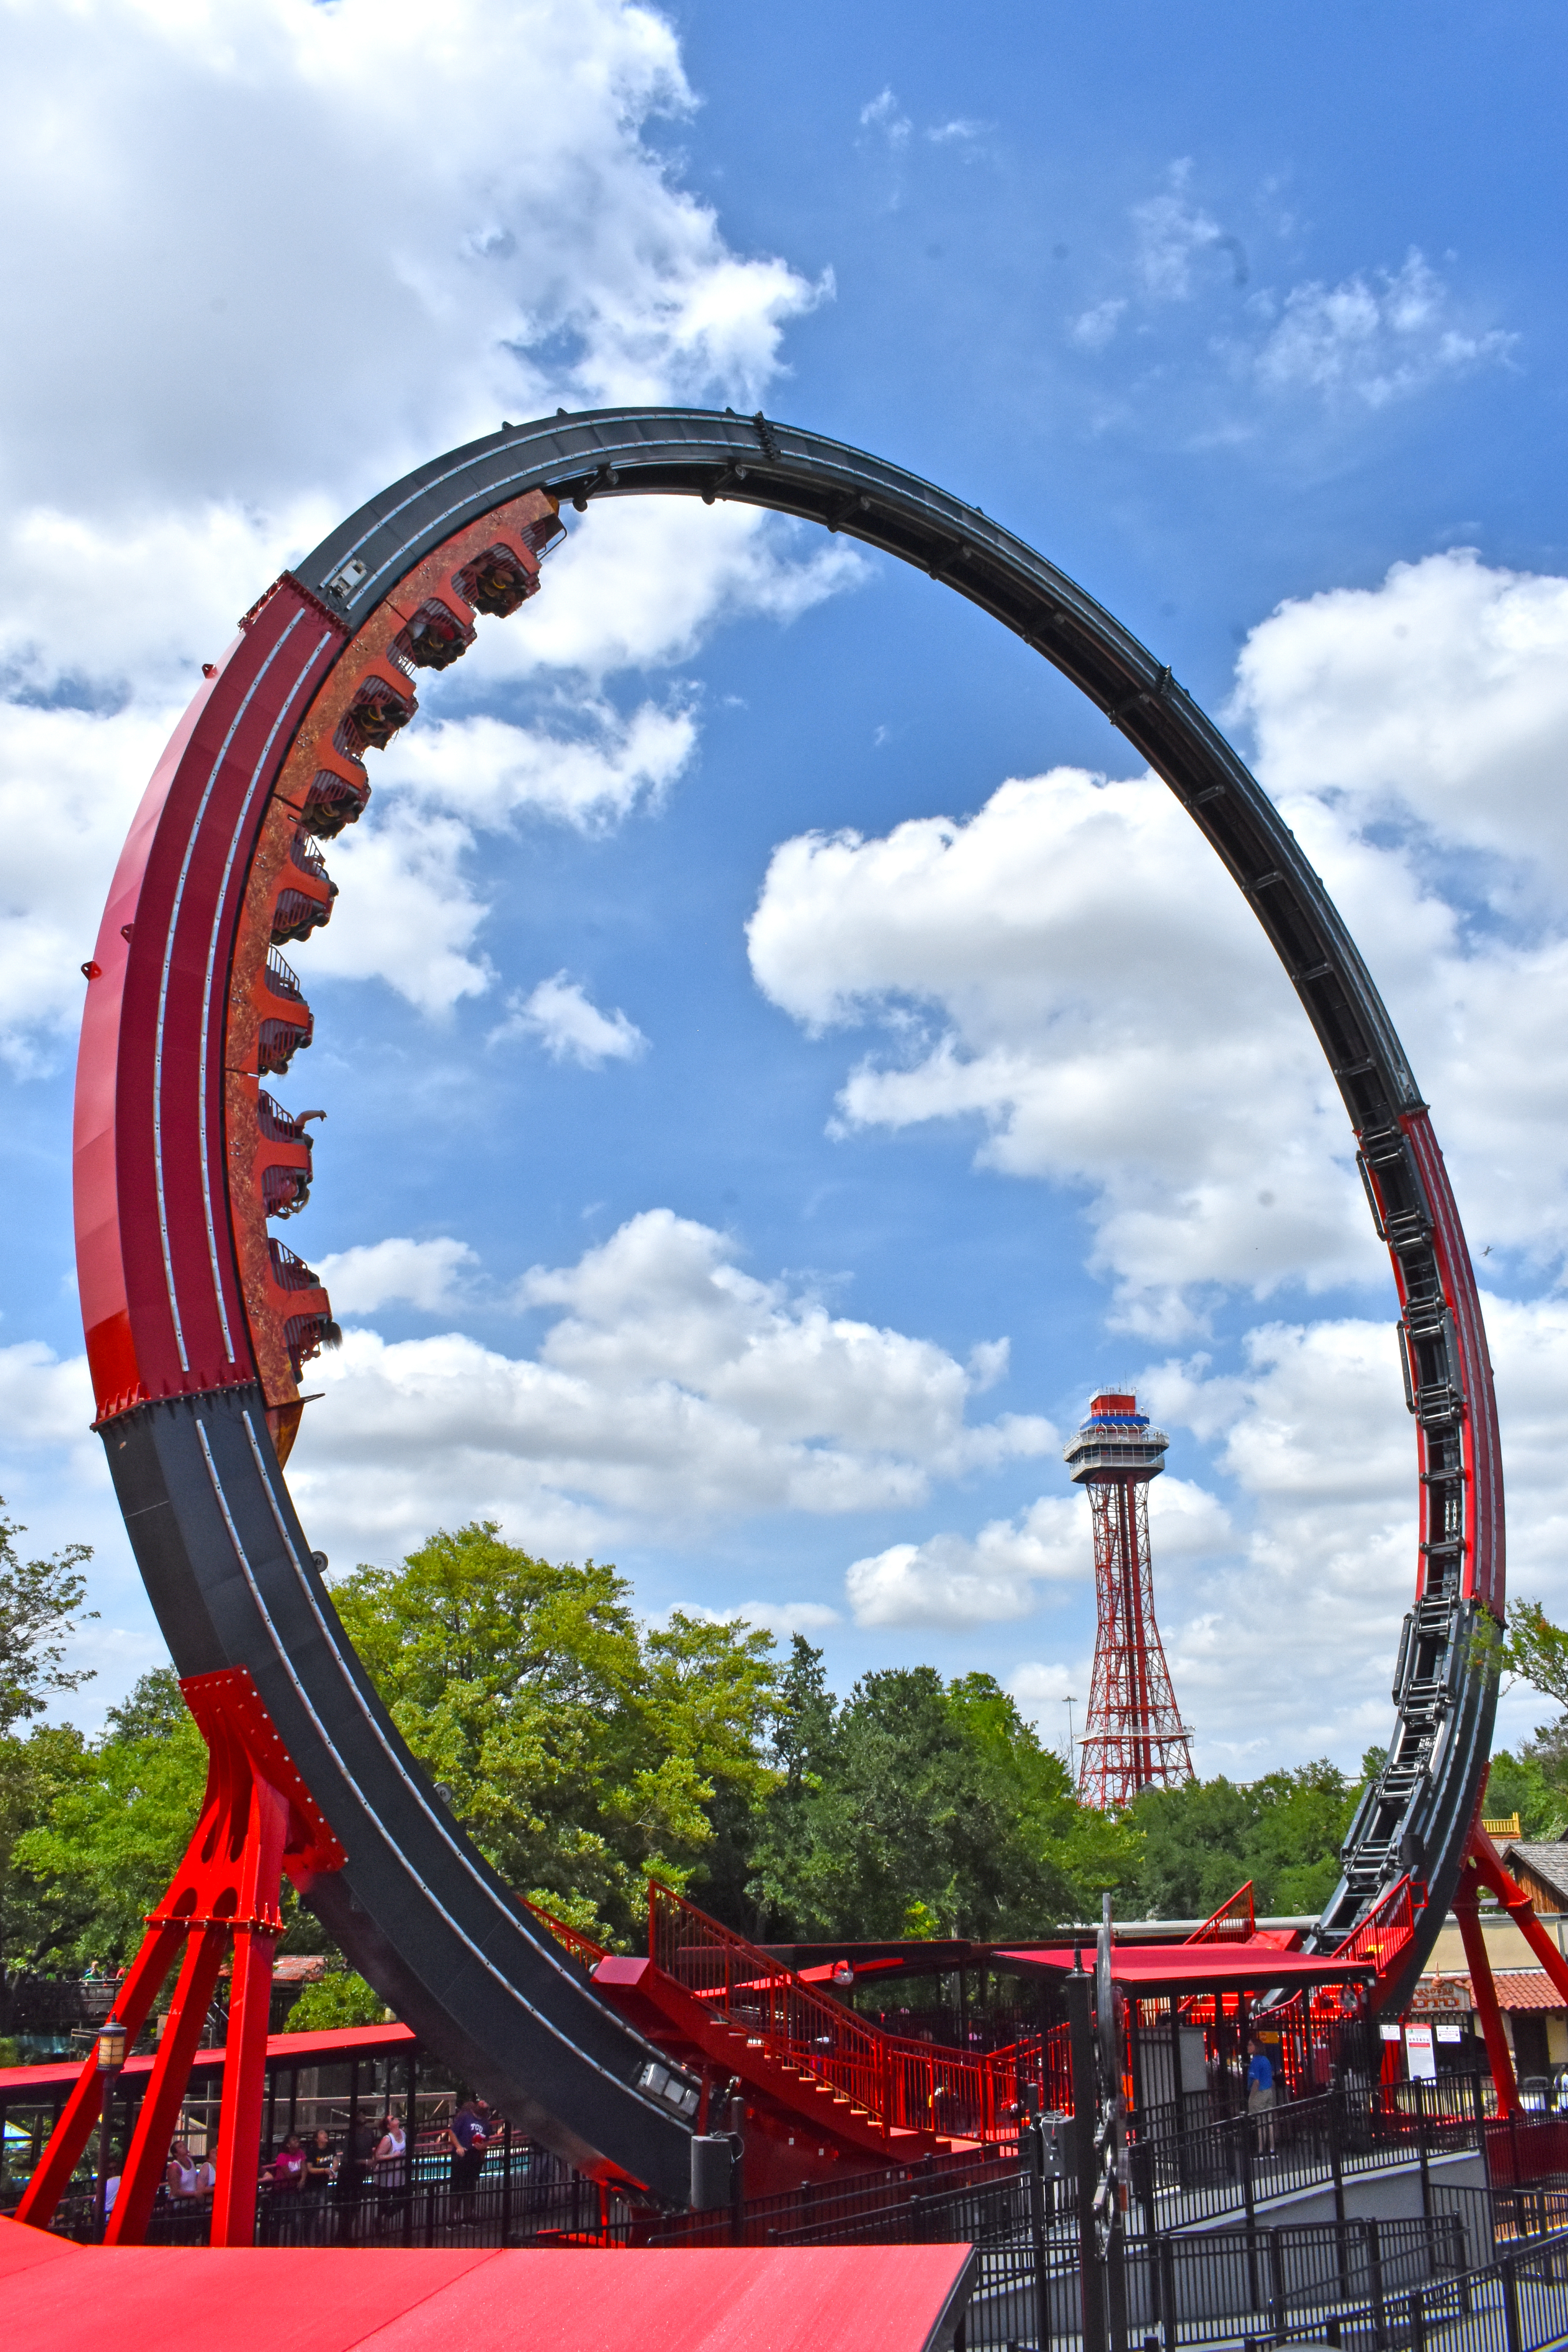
1196 1967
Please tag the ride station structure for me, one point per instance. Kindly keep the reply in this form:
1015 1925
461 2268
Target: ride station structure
1134 1737
200 1322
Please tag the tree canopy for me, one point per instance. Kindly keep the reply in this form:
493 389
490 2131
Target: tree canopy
40 1604
919 1807
579 1748
584 1749
1283 1832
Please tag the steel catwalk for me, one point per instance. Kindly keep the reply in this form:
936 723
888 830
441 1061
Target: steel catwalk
199 1322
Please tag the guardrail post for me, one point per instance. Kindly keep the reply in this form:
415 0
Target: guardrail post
1276 2286
1166 2266
1244 2127
1416 2320
506 2187
1038 2237
1143 2180
1076 1990
1515 2334
1336 2166
1425 2172
1375 2268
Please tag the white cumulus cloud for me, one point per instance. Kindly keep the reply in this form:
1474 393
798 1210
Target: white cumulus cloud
492 253
670 1390
1373 339
1072 970
427 1275
560 1018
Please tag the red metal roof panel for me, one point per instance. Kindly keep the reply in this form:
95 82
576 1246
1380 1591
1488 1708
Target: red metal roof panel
335 2299
1205 1965
293 2049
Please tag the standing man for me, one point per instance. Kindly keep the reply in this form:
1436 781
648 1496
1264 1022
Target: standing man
467 2138
1260 2090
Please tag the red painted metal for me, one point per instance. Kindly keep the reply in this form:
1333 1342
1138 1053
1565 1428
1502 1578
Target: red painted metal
258 1817
1484 1870
1133 1736
582 1948
161 1300
1484 1562
339 2043
1384 1935
1145 1967
897 2085
1234 1923
336 2299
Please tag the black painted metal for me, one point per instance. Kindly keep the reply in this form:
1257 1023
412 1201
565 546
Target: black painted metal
417 1908
229 1566
1418 1815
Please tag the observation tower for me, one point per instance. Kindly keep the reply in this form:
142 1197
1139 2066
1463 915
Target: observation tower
1134 1737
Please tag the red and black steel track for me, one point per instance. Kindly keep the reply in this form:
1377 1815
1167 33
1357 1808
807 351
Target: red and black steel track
199 1322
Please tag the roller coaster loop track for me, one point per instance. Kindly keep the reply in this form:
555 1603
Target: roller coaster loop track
200 1321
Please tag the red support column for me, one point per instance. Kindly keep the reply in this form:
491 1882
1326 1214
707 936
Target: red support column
1482 1987
245 2064
257 1818
80 2115
1488 1865
149 2150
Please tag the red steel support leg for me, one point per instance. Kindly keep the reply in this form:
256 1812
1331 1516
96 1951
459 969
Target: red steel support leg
149 2151
1485 1992
257 1817
244 2064
1487 1863
69 2141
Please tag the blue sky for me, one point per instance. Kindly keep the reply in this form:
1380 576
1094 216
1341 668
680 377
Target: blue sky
780 1053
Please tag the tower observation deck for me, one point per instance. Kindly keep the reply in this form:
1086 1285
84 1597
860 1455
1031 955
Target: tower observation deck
1134 1737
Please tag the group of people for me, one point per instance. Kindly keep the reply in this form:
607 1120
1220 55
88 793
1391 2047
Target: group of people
306 2171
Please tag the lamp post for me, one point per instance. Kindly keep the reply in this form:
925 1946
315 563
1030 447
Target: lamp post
111 2058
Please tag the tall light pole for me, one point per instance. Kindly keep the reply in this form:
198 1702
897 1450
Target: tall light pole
1073 1773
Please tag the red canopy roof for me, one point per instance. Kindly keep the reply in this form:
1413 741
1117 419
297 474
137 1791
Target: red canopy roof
331 2298
1198 1967
286 2049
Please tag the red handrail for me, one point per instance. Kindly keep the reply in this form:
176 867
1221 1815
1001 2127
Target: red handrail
581 1946
1387 1928
898 2083
1234 1923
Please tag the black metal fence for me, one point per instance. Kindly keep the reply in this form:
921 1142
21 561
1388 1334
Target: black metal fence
1185 2177
523 2195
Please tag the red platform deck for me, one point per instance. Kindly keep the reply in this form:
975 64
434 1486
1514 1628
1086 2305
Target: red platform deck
57 2297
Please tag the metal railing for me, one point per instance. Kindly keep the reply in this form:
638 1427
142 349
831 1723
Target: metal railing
283 979
522 2195
823 2206
899 2084
582 1948
1185 2177
1432 2283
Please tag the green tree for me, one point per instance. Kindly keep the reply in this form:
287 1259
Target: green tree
338 1999
118 1815
1531 1649
923 1807
1532 1785
578 1751
1283 1832
40 1606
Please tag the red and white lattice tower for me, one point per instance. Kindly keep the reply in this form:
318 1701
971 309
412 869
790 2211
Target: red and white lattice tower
1134 1737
